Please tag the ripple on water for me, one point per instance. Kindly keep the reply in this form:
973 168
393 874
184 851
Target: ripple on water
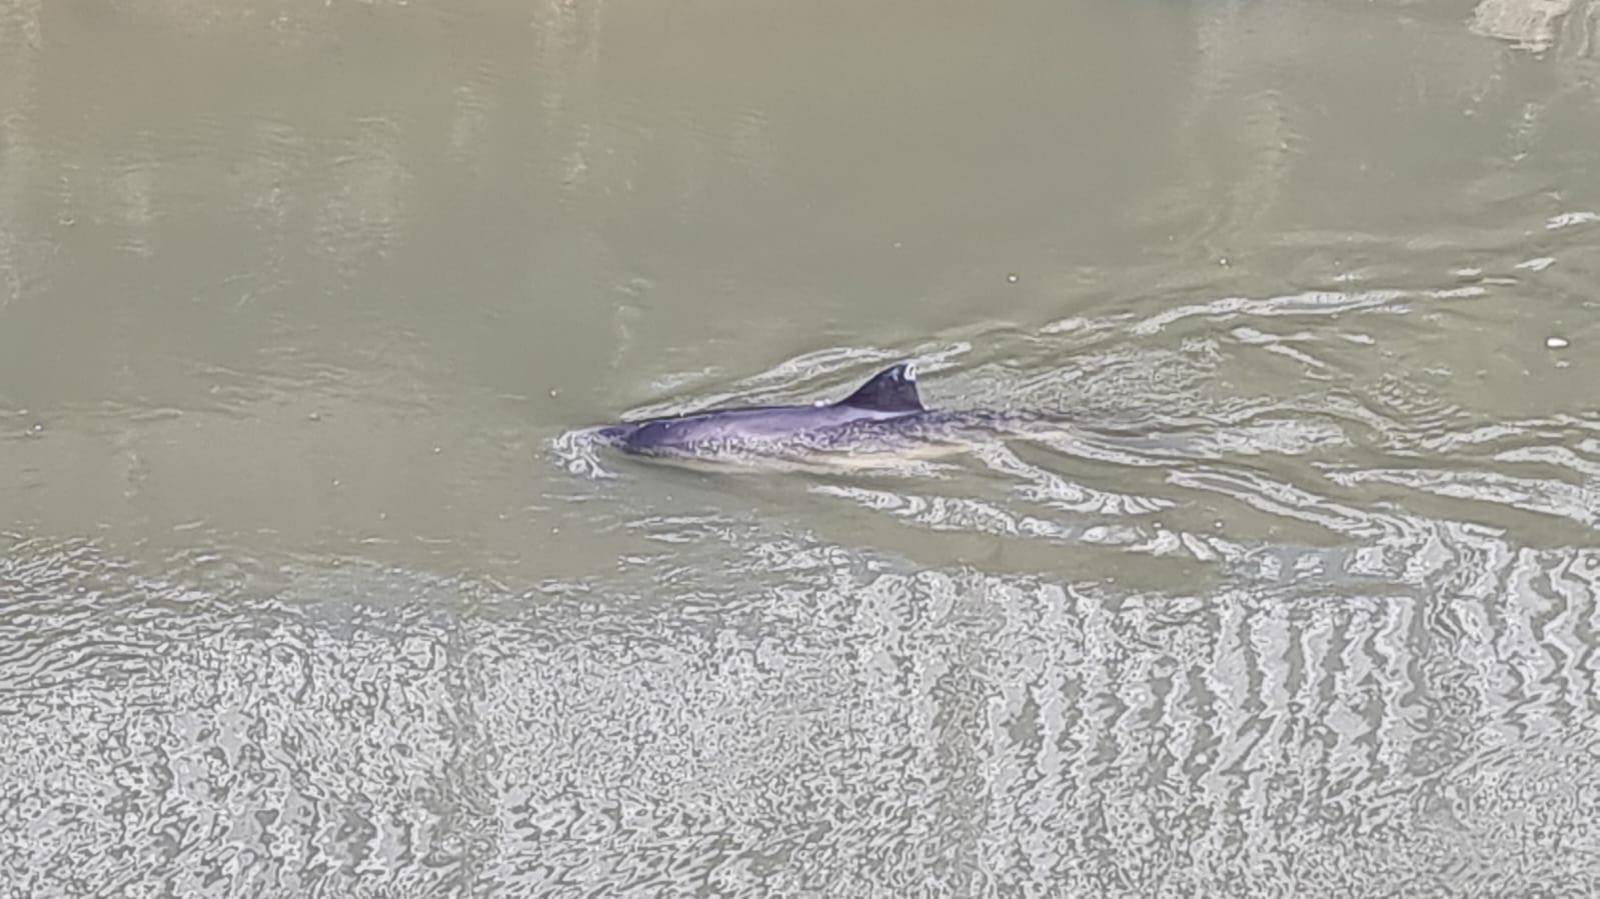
1385 679
806 717
1374 674
295 741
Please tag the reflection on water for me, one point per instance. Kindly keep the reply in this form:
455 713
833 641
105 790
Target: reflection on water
366 196
311 585
1529 24
1418 716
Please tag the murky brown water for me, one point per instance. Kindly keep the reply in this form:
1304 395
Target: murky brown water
306 589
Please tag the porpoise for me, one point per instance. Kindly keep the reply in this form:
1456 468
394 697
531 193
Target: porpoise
884 416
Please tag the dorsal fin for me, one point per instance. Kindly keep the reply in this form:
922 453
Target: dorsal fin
892 390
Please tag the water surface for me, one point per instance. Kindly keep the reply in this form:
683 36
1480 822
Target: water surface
306 587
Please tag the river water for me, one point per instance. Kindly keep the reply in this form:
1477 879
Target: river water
308 588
